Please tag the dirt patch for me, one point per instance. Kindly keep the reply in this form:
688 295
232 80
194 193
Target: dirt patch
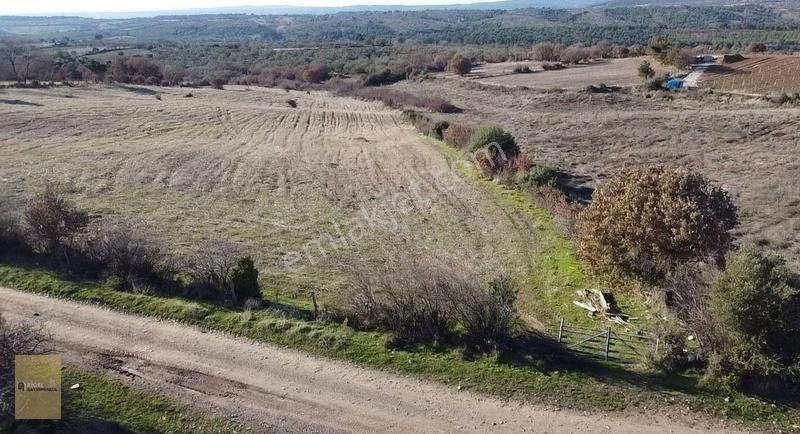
747 145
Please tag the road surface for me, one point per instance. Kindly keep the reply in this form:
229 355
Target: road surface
280 390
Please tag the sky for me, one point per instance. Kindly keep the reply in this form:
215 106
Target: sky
19 7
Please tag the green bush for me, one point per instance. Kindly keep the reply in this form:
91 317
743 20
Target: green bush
658 82
487 135
542 176
755 311
244 279
438 128
644 223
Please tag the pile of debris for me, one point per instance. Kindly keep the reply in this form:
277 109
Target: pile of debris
599 303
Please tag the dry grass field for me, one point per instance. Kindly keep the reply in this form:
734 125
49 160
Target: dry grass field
756 75
310 191
749 146
613 72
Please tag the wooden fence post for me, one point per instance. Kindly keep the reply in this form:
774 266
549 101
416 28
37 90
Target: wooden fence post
560 330
608 341
314 301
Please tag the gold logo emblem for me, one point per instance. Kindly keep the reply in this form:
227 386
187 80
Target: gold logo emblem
38 391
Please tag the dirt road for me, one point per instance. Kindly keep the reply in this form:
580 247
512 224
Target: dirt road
276 389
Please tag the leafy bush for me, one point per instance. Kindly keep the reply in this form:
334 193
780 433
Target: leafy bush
384 77
489 136
315 74
658 82
458 135
53 221
438 128
643 223
755 310
542 176
646 70
244 279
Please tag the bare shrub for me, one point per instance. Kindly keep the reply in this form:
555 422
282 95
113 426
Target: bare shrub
643 223
565 213
399 99
488 314
53 221
425 302
421 121
413 301
545 52
220 271
458 135
122 251
219 83
211 267
22 338
460 65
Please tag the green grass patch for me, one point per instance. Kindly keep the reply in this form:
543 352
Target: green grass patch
105 405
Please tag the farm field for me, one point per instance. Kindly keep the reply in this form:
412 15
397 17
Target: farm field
756 75
613 72
310 191
747 145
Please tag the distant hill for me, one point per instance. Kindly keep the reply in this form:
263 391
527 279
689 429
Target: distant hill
309 10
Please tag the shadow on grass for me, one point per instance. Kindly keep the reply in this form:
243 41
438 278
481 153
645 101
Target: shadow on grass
85 426
20 102
137 90
537 350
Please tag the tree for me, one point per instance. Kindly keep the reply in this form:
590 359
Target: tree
644 223
20 63
244 280
460 65
646 70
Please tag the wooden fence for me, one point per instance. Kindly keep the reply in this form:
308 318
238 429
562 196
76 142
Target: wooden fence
607 344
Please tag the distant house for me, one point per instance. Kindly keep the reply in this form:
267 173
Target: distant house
674 84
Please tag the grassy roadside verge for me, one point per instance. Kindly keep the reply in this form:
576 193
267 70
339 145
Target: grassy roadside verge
549 267
588 386
105 405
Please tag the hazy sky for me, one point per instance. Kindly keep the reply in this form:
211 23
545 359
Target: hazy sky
16 7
